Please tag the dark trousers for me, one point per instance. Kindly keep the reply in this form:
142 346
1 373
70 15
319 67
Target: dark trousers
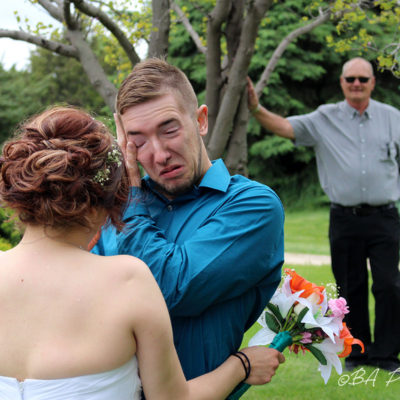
353 239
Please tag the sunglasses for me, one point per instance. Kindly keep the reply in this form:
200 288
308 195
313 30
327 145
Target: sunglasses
361 79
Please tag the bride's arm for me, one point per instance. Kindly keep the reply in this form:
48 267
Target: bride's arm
160 371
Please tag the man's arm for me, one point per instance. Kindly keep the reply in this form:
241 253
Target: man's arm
237 247
270 121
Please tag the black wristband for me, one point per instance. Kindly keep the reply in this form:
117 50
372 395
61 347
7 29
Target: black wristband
247 368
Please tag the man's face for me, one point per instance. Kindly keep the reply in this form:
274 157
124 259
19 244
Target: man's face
168 142
357 92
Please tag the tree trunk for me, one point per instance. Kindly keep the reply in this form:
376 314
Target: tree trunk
158 45
236 157
93 69
237 78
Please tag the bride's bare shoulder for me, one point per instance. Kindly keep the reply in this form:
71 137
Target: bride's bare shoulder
126 266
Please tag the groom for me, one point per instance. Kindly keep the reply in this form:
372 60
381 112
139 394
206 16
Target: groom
213 242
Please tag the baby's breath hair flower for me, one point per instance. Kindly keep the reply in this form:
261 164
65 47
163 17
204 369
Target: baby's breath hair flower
114 156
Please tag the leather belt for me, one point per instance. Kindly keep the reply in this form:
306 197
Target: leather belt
362 209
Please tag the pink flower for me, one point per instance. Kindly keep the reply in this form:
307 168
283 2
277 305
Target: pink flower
338 307
306 337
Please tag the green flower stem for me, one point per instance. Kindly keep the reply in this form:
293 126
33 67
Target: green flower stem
287 321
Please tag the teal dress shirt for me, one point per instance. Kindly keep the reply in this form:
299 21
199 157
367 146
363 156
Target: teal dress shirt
216 253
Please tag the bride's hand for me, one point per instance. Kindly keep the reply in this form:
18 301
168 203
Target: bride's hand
264 362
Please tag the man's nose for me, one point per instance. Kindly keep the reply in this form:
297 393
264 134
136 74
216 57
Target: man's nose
161 153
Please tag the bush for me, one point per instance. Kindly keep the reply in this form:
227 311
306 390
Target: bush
10 235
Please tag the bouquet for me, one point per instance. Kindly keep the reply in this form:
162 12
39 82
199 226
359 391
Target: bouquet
301 315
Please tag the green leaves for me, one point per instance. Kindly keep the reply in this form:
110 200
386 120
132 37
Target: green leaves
275 311
301 315
316 353
9 234
272 322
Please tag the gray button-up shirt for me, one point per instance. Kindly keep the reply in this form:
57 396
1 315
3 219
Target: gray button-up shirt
357 155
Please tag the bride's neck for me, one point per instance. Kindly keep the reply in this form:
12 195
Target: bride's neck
77 237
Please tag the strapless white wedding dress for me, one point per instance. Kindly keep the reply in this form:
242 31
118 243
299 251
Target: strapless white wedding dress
122 383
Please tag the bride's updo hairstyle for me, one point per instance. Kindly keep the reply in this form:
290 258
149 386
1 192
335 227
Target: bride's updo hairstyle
60 165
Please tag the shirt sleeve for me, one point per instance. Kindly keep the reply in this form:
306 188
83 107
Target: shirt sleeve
238 247
305 128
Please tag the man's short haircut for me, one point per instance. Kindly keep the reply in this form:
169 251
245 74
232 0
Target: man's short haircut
154 78
347 63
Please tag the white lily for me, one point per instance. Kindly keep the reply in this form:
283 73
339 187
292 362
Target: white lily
315 316
330 349
284 299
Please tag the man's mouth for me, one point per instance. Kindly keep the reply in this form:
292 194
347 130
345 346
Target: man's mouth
171 171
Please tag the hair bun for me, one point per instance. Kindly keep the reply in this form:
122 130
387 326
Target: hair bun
48 171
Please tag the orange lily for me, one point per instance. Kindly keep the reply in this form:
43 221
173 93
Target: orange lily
298 283
349 340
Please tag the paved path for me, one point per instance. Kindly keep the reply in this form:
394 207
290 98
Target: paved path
306 259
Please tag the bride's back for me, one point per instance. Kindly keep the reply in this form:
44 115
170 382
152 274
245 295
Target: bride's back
62 313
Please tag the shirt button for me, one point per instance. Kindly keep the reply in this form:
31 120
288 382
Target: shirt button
363 155
361 125
363 172
363 189
169 207
362 140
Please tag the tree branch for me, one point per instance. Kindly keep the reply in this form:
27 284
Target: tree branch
92 67
55 12
69 20
95 12
186 23
277 54
56 47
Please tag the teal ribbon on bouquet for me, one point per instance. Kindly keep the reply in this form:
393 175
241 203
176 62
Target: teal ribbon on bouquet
280 342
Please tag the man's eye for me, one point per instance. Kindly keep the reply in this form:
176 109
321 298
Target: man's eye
171 130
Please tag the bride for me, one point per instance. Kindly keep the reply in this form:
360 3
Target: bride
75 325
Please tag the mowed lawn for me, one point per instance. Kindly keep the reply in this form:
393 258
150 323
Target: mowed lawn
307 231
298 378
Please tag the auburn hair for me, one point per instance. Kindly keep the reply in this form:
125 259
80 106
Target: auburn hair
48 170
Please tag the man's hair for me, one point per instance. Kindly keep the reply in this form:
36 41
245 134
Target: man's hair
49 171
347 63
154 78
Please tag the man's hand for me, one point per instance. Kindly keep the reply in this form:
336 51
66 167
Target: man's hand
128 149
264 362
252 98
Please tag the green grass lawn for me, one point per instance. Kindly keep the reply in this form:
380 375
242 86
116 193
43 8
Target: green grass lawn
299 379
307 231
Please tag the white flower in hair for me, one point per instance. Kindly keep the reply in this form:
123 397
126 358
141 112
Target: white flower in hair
114 156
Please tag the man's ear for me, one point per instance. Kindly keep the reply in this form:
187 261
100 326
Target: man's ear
202 119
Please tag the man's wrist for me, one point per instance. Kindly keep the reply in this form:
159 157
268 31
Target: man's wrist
256 109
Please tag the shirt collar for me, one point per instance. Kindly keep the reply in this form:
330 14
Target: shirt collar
352 112
217 177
